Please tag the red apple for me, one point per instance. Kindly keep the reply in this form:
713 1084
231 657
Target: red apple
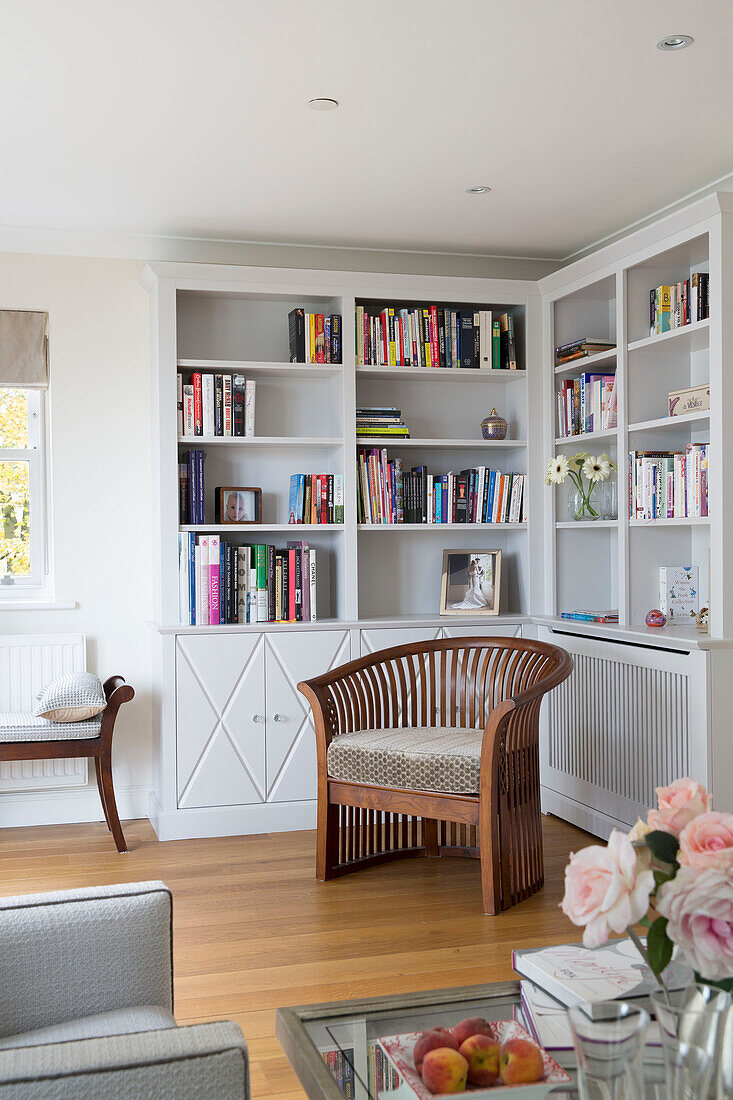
444 1070
432 1040
521 1062
482 1054
474 1025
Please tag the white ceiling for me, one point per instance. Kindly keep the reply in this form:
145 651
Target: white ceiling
189 118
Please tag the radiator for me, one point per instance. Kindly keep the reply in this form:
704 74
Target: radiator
27 662
629 719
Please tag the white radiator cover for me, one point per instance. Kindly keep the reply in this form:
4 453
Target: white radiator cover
27 662
629 718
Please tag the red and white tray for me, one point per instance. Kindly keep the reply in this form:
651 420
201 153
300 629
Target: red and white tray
399 1049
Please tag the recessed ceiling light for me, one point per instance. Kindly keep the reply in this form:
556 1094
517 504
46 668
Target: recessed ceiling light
674 42
480 190
323 104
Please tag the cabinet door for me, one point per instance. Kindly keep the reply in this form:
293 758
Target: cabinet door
295 655
220 719
384 637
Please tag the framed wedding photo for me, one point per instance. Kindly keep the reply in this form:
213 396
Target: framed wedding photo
238 504
471 583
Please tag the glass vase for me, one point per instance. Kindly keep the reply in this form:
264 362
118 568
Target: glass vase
696 1015
584 505
609 498
609 1042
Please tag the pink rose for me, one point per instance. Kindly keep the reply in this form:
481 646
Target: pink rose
678 804
708 842
699 908
606 889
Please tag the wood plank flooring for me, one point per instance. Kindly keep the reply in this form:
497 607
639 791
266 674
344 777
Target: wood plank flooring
253 930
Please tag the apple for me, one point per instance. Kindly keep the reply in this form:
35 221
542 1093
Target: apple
521 1062
482 1054
474 1025
432 1040
444 1070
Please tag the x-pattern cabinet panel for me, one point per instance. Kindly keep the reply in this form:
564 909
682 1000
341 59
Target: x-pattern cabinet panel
244 732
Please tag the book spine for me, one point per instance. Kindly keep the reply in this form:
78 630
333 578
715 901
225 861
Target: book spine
249 407
179 403
218 404
294 598
338 497
214 580
188 417
477 338
238 389
313 585
320 354
227 380
207 386
270 583
327 339
198 403
261 583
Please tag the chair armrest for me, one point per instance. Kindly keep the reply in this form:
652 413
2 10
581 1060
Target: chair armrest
80 952
182 1063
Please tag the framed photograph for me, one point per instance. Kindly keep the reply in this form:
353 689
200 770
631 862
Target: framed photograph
471 582
238 504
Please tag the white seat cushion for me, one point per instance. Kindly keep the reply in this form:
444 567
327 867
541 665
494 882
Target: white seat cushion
122 1021
21 725
427 758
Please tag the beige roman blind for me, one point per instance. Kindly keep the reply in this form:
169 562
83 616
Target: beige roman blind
23 348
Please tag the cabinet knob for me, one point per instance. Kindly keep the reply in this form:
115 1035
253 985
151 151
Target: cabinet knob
279 718
258 717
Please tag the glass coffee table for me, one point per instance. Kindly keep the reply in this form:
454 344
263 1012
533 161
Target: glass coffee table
334 1047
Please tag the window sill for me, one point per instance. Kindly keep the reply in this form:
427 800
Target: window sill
19 603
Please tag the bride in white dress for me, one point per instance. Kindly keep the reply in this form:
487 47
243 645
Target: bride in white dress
475 597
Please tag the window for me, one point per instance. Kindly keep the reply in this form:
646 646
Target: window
22 491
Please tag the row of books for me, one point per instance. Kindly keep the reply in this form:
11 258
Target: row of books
316 498
389 494
582 348
221 583
215 404
191 487
669 484
314 337
387 421
587 404
381 1074
341 1065
674 305
431 336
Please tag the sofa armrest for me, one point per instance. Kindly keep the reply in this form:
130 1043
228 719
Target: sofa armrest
182 1063
80 952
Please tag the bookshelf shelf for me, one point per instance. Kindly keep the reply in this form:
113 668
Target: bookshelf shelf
695 335
254 528
292 441
437 374
392 528
670 422
578 366
436 444
595 524
687 521
281 370
588 437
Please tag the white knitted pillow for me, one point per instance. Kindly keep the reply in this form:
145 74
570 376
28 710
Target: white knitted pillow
73 697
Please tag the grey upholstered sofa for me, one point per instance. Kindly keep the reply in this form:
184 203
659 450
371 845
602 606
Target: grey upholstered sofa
86 1003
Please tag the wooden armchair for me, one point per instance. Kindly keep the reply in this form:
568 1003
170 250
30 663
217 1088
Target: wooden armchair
433 749
58 740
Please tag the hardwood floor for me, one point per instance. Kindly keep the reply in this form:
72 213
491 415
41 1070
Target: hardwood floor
254 930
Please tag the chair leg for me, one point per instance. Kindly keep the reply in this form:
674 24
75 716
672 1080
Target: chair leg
489 855
328 838
100 788
105 765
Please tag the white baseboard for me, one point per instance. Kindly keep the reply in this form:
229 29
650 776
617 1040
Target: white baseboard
585 817
65 807
269 817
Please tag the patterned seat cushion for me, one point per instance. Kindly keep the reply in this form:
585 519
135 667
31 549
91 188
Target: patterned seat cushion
428 758
23 726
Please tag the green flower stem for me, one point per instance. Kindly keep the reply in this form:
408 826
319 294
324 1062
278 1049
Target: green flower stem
643 952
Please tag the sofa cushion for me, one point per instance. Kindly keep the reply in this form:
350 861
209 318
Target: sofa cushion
18 725
427 758
72 697
123 1021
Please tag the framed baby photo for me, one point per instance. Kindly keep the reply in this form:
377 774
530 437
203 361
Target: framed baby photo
238 504
471 583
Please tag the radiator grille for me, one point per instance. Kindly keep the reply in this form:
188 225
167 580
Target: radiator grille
620 727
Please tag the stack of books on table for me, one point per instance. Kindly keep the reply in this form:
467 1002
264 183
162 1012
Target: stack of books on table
557 978
433 336
675 305
591 616
669 484
221 583
587 404
381 421
389 494
580 349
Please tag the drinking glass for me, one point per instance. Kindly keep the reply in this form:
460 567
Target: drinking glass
694 1015
685 1069
609 1040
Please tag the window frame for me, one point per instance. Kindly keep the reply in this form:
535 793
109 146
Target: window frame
35 454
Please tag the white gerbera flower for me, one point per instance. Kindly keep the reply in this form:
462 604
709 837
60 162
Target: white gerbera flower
557 470
597 469
576 461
